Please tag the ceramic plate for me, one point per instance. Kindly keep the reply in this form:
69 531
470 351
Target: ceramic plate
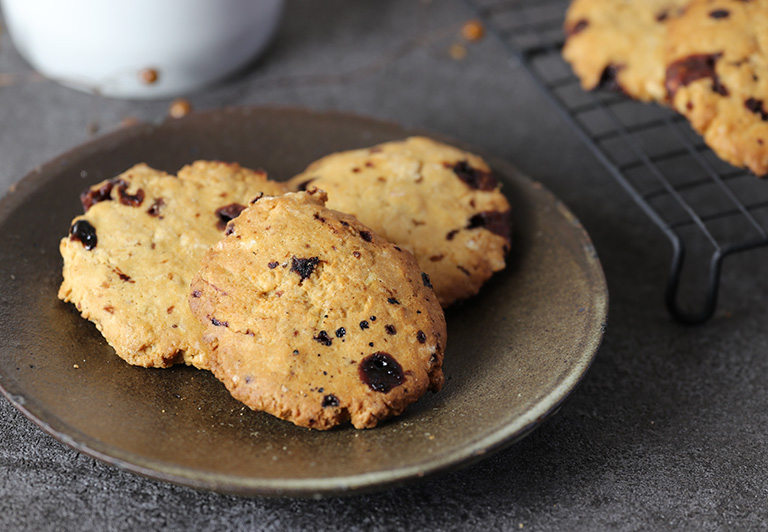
514 352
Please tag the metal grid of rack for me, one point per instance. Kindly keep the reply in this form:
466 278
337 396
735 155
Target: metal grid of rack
707 208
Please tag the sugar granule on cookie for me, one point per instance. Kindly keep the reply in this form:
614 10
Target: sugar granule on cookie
439 202
315 318
129 259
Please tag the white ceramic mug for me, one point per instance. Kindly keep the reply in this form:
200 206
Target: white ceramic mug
140 48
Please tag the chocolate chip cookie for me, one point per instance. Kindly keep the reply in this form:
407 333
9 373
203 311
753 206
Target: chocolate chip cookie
129 259
315 318
717 77
619 44
440 203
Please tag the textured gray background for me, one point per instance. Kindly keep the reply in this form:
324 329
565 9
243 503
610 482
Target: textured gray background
669 429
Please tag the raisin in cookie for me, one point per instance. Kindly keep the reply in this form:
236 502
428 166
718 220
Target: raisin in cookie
315 318
619 44
440 203
717 77
129 259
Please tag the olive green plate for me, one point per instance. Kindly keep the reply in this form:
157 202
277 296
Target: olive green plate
514 352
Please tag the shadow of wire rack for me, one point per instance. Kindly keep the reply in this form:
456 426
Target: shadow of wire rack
707 208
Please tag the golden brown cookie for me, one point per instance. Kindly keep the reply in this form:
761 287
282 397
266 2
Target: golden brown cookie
129 259
315 318
619 44
440 203
717 76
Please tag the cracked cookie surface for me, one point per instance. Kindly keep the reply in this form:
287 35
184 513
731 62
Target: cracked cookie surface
129 259
440 203
717 77
619 44
315 318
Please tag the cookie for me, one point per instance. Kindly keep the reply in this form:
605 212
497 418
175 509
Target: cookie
619 44
440 203
717 77
129 259
315 318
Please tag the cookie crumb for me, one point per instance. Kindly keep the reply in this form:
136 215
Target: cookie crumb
179 108
473 30
148 76
457 52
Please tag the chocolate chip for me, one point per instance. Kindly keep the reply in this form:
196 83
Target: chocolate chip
719 13
661 17
90 197
272 265
577 27
497 222
304 267
319 218
421 337
381 372
156 207
356 254
340 332
134 200
757 107
609 78
228 213
218 323
425 280
392 301
323 338
366 235
364 325
372 318
451 234
473 177
685 71
83 231
196 293
390 329
718 87
122 276
329 400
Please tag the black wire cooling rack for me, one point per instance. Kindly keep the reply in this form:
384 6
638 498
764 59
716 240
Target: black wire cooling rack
707 208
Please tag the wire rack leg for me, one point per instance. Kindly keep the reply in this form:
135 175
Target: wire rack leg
673 286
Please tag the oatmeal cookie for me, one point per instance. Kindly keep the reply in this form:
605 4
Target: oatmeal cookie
440 203
717 77
129 259
619 44
315 318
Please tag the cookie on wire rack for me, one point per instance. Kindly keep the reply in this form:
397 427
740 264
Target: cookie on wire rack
619 44
717 77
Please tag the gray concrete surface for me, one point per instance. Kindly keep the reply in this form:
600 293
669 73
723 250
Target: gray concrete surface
668 431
